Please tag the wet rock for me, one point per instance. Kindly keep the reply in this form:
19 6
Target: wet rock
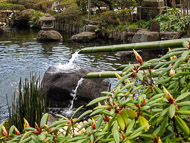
59 84
145 36
84 37
49 35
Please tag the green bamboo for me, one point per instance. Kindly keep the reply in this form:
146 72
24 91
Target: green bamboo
105 74
137 46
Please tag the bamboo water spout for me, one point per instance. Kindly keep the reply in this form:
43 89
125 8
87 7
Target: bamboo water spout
137 46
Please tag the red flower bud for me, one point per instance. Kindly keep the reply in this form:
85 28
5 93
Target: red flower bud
135 67
133 75
168 96
4 132
17 131
93 124
138 57
106 118
26 124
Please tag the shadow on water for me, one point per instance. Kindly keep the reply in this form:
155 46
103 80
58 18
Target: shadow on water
20 53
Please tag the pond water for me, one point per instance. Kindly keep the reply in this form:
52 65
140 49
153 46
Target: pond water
20 54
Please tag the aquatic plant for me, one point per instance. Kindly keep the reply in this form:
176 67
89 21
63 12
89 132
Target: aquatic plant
148 104
27 103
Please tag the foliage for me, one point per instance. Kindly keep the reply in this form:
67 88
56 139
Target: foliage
170 22
147 105
5 6
43 5
72 14
34 23
27 103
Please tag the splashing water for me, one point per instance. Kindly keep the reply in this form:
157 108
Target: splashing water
70 64
73 94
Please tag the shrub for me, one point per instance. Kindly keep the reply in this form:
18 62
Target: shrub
150 103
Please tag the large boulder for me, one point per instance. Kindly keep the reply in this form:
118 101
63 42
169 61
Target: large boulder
59 85
84 37
49 35
145 36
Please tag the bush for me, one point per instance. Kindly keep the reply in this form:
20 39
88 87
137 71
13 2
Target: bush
150 103
71 15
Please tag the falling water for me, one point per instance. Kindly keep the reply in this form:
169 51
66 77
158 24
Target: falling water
73 94
68 65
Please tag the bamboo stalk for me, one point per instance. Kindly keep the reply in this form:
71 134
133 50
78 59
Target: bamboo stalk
137 46
105 74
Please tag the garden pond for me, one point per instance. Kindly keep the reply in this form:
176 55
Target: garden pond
20 54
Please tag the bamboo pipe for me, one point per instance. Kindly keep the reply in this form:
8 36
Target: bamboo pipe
105 74
137 46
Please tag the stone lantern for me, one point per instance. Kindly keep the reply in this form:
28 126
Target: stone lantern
48 33
47 22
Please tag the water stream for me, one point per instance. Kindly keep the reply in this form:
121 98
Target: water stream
73 94
68 65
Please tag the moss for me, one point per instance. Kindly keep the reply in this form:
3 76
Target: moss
5 6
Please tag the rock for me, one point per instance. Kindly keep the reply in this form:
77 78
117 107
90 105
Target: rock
91 28
145 36
169 35
22 18
84 37
49 35
59 84
126 55
155 26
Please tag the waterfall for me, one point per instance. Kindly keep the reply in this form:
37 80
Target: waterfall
73 94
68 65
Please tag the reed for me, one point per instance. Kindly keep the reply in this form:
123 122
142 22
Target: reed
28 102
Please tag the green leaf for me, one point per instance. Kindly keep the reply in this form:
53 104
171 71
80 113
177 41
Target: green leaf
182 96
35 139
130 127
139 76
184 112
185 103
144 108
77 111
163 127
77 138
161 81
123 103
44 120
171 110
137 132
84 114
11 130
99 122
120 122
97 100
116 136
